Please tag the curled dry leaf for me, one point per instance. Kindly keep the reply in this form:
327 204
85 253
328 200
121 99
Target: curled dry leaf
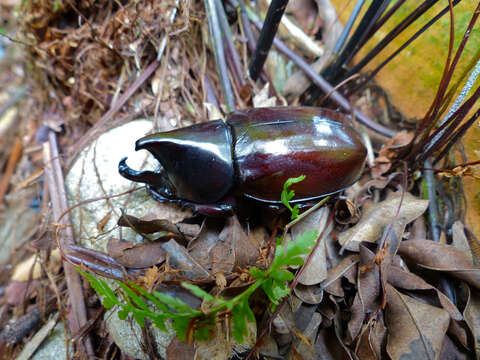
415 330
136 256
377 216
405 280
441 257
460 241
148 226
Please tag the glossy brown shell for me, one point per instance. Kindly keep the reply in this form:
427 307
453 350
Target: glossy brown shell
274 144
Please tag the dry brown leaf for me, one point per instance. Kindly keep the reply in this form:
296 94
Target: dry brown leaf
460 241
376 217
371 339
441 257
308 293
328 347
303 345
451 351
472 317
244 249
367 299
332 284
200 247
182 260
134 255
405 280
415 330
316 271
147 226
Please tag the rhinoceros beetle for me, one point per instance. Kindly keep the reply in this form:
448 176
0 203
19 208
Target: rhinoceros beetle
251 155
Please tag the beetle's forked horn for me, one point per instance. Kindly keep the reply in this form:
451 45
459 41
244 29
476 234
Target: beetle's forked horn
148 177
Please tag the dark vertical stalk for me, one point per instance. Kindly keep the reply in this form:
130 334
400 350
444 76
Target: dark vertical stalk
430 195
414 15
267 34
404 45
334 72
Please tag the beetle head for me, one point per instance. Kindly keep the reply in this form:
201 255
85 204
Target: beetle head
196 163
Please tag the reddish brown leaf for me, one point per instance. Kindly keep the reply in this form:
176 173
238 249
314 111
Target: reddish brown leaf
441 257
136 255
18 291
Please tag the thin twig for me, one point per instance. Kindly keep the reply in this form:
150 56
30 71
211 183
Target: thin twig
231 52
56 186
219 53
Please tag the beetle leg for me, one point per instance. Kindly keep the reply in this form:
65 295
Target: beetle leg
223 208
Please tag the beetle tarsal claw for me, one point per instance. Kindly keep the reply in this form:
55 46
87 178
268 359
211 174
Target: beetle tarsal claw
147 177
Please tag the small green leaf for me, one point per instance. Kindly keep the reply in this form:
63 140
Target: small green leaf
180 324
282 275
287 195
123 314
173 302
197 291
137 300
239 321
257 273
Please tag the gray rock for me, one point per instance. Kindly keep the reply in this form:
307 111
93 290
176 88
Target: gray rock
95 174
53 347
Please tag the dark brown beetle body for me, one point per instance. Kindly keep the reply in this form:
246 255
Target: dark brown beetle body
252 154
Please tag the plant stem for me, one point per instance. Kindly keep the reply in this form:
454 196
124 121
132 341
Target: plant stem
267 34
219 53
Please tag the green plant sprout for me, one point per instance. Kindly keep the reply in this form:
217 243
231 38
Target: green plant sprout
288 195
186 321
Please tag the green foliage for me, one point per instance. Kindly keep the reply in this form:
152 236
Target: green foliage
288 195
160 307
